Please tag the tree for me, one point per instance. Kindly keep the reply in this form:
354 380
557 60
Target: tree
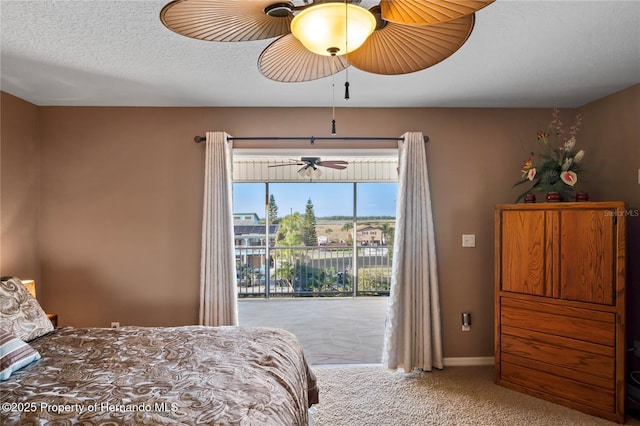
289 235
387 233
348 226
273 210
328 231
291 231
309 234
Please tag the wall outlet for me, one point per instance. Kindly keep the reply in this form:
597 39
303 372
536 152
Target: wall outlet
636 348
115 324
466 321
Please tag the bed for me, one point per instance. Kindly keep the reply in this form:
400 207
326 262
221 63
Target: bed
153 376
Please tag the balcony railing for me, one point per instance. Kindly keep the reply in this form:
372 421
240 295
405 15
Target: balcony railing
313 271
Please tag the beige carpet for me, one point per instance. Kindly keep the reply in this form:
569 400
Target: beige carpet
372 395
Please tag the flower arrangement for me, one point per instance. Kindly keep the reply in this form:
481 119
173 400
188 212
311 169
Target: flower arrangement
556 168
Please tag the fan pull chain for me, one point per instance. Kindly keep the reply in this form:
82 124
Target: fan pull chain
333 96
346 48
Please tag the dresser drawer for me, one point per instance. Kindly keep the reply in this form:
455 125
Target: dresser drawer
576 360
557 320
558 389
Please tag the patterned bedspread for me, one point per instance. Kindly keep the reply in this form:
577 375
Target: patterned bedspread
156 376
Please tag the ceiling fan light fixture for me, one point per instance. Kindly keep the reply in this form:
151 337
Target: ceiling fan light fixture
315 172
310 172
322 28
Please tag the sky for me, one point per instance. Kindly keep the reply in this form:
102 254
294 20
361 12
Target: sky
329 199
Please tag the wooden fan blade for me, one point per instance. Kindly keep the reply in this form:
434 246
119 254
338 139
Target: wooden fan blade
401 49
428 12
337 164
288 61
286 165
224 20
324 163
333 166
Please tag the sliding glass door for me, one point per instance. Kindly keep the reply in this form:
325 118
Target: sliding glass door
310 239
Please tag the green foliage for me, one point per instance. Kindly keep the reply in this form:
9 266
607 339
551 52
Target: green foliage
558 165
388 233
309 235
374 280
273 210
285 271
290 232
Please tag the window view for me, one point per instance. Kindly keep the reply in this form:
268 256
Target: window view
303 239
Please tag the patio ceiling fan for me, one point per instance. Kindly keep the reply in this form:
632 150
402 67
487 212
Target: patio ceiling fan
318 38
310 165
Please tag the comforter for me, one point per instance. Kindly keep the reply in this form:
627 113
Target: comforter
155 376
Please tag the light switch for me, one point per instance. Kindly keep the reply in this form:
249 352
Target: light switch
468 240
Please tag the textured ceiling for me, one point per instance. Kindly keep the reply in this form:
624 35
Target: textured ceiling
117 52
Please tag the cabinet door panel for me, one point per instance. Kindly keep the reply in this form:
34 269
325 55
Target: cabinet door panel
524 253
587 262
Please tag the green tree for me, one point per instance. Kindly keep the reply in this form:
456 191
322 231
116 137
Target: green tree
290 232
309 235
387 233
328 231
273 210
286 272
348 226
289 235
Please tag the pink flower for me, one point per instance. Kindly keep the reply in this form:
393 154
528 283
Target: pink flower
570 178
531 174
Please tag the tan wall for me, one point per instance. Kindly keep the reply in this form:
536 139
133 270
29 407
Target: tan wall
19 193
121 201
612 136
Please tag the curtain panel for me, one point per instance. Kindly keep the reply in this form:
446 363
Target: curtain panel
413 331
218 295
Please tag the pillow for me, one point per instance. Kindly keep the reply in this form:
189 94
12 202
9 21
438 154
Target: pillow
20 313
14 354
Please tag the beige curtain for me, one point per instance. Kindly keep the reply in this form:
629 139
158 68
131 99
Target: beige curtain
412 335
218 296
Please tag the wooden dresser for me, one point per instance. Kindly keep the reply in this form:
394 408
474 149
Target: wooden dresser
560 303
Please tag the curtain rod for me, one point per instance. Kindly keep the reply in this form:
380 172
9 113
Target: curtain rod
311 139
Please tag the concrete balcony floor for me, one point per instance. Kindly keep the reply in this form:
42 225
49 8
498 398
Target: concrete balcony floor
330 330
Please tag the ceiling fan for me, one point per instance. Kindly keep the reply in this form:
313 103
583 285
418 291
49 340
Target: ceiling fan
310 165
393 37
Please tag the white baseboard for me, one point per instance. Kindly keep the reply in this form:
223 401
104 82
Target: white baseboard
448 362
468 361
